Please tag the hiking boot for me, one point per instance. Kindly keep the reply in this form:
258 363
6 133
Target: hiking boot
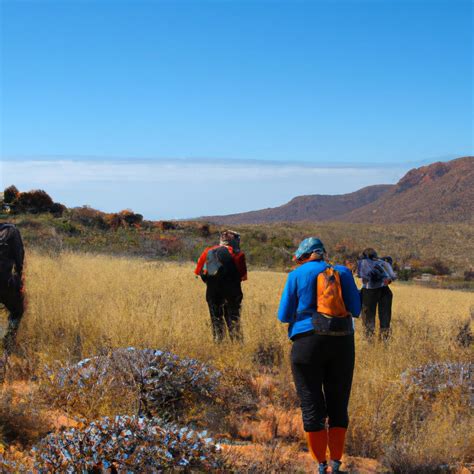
323 468
335 466
385 334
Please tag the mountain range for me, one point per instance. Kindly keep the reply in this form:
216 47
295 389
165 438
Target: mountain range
439 192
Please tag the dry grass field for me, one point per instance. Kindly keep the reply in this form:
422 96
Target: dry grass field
80 305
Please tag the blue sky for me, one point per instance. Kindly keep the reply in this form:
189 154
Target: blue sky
385 84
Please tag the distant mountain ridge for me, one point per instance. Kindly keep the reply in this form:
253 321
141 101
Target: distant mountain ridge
317 207
439 192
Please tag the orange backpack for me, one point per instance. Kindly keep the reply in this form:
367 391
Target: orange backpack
329 294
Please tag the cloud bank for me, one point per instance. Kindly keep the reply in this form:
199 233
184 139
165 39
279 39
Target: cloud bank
166 189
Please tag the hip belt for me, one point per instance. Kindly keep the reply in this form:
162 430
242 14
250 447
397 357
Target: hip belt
331 326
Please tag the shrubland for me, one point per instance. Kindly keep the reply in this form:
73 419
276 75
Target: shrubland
443 250
439 249
91 306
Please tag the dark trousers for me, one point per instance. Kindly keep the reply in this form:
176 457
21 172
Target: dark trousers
224 308
372 299
322 369
11 296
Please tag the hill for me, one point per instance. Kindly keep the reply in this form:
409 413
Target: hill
439 192
316 207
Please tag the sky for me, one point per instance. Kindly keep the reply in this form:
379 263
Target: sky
180 109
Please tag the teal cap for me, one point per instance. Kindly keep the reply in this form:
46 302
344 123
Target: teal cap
308 246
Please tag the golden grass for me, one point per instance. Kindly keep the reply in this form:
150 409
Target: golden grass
79 305
84 302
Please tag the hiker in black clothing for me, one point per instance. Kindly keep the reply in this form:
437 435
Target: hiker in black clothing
11 281
376 275
223 268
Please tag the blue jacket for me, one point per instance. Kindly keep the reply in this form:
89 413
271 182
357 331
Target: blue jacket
298 300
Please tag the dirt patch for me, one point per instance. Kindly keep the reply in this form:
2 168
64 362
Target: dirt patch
278 457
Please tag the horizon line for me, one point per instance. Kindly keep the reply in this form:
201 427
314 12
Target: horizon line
230 161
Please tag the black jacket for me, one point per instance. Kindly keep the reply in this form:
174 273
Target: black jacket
12 252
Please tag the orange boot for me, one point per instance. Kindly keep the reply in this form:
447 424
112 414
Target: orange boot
336 439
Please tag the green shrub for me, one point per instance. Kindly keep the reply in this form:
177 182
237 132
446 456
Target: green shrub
10 194
34 202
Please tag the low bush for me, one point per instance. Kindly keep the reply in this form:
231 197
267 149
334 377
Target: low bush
10 194
148 382
433 378
125 219
89 217
127 444
205 230
166 225
58 209
33 202
406 274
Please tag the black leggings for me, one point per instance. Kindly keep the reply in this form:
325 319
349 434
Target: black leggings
372 299
322 369
12 298
224 300
225 312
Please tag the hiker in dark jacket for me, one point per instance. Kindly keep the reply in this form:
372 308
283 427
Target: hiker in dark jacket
223 268
376 275
323 352
11 281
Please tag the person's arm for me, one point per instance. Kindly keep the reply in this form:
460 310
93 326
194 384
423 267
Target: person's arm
200 263
241 266
289 301
350 293
18 251
391 274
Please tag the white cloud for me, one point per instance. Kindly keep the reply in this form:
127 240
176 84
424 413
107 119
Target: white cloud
185 188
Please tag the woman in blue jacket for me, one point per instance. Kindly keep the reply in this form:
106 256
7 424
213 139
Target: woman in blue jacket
322 358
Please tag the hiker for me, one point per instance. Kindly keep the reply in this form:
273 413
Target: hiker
223 268
11 281
318 303
376 275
